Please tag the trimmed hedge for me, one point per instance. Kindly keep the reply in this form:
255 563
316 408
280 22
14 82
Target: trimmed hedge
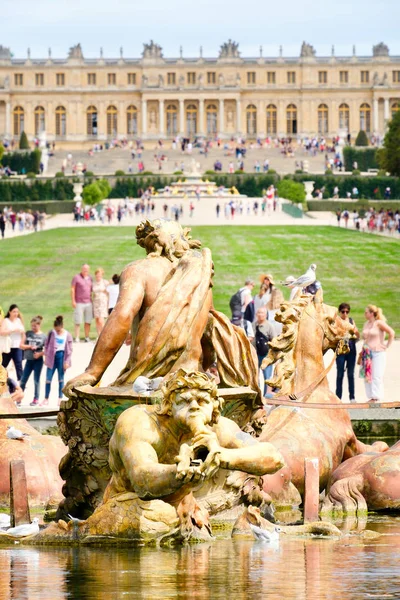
334 205
22 162
51 207
365 158
33 191
368 187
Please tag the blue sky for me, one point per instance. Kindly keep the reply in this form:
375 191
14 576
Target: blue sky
40 24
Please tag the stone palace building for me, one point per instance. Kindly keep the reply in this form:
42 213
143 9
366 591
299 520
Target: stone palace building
78 100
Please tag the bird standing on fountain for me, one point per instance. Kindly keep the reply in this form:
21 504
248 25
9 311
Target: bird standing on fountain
305 280
22 531
265 536
15 434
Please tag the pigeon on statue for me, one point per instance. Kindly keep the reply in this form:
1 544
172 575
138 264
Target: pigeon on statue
22 531
265 536
15 434
304 280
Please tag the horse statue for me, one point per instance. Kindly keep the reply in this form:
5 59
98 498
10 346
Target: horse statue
310 328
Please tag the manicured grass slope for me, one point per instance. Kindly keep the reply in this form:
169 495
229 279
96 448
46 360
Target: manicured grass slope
36 270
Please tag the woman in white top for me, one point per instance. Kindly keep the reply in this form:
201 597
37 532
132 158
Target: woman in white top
12 328
113 291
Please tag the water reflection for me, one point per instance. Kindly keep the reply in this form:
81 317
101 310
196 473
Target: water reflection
349 568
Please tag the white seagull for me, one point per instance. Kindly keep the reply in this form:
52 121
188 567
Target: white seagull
304 280
15 434
265 536
21 531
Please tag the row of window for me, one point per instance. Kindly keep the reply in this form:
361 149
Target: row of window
211 78
192 119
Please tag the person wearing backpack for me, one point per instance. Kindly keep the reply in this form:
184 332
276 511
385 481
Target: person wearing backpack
239 301
264 332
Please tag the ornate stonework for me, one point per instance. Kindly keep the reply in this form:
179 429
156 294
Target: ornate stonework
229 50
380 49
307 51
152 51
76 52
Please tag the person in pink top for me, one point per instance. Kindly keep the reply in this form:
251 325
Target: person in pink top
374 352
81 298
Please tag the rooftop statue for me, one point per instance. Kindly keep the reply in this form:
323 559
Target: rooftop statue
175 464
307 50
152 50
380 49
75 51
229 49
5 53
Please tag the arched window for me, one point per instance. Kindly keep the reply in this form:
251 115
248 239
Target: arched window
91 121
212 127
112 121
191 120
365 118
131 120
395 108
40 124
172 120
271 119
344 117
19 120
291 119
323 119
61 121
251 120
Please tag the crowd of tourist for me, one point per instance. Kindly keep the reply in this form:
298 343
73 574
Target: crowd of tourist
256 315
373 221
22 220
90 299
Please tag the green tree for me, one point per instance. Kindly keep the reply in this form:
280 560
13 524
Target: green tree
389 155
1 151
23 142
291 190
362 139
105 187
92 194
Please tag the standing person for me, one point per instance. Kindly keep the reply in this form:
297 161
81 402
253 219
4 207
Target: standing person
113 292
373 355
100 299
264 332
12 328
240 300
2 223
348 360
33 353
81 297
58 352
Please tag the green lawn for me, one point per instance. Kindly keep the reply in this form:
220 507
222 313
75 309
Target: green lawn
36 270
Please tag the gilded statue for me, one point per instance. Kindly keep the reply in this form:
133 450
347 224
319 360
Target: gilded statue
176 463
165 306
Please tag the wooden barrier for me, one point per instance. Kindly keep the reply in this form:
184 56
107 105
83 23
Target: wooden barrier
19 505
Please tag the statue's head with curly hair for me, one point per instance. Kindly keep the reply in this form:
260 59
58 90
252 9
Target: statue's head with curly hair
183 383
162 237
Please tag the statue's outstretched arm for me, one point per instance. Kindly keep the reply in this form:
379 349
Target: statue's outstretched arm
115 330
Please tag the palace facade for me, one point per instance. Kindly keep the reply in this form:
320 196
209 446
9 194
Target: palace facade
77 100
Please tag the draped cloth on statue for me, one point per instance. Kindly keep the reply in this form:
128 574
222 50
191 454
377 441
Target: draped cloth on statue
169 334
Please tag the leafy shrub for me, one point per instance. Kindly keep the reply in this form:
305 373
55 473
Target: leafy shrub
361 139
23 142
146 173
119 173
356 172
291 190
210 172
31 175
92 194
389 155
1 151
59 174
381 173
180 172
22 162
104 186
89 174
366 158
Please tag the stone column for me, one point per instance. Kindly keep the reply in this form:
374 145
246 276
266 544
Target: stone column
161 117
181 117
221 116
386 115
375 115
201 117
238 116
8 119
144 117
261 119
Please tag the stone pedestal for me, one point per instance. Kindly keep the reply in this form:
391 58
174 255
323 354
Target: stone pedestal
309 186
